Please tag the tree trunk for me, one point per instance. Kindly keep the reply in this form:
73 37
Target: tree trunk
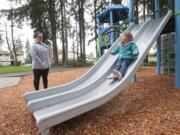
83 32
66 37
95 24
144 10
77 39
73 48
12 38
136 12
148 6
52 18
62 31
66 48
80 29
9 46
116 1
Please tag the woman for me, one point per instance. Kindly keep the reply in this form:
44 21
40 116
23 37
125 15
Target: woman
41 60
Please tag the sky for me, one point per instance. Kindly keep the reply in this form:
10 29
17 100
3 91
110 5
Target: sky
4 4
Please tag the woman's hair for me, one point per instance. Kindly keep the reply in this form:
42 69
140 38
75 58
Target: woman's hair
128 35
37 33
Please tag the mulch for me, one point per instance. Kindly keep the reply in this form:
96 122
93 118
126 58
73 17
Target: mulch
151 106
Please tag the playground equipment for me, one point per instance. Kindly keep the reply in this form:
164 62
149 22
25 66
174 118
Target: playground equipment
110 24
55 105
168 53
177 51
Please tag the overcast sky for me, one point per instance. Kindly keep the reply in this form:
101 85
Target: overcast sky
4 4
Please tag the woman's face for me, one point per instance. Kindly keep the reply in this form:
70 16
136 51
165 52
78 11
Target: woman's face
39 38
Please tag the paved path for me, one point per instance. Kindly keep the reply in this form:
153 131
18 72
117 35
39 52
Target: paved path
9 81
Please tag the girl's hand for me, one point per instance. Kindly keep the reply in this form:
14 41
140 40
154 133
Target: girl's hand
135 54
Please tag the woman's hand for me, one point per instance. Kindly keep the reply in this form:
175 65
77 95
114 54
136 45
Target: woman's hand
42 66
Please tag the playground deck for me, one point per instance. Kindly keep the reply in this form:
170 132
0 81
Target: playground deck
149 107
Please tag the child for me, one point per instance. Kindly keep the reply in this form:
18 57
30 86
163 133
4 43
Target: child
127 53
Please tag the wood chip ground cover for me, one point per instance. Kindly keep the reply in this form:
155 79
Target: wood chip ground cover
151 106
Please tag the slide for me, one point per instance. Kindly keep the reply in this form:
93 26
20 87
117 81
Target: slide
36 100
55 105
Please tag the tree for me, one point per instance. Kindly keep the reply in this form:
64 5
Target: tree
9 46
1 41
136 12
14 46
74 31
27 51
27 46
62 14
82 35
75 9
53 24
116 1
1 36
19 46
11 18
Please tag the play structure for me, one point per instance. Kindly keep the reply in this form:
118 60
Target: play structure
56 105
110 25
168 53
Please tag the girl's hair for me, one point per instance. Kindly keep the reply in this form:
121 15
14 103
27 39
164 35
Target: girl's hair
128 35
37 33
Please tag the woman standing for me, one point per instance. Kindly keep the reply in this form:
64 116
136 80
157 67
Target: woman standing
41 60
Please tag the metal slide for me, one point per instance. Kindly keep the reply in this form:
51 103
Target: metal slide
58 104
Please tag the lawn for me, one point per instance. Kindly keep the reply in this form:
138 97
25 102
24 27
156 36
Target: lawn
14 69
152 58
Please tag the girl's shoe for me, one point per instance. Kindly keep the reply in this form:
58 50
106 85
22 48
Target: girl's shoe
111 76
117 74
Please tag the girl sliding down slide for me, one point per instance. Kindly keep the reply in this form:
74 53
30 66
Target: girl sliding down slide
127 52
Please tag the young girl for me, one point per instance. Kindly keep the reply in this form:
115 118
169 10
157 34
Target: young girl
127 53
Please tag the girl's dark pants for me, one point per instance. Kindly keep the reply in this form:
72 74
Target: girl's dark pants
122 65
37 75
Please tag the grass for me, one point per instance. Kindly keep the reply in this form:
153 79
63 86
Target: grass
151 61
14 69
152 58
